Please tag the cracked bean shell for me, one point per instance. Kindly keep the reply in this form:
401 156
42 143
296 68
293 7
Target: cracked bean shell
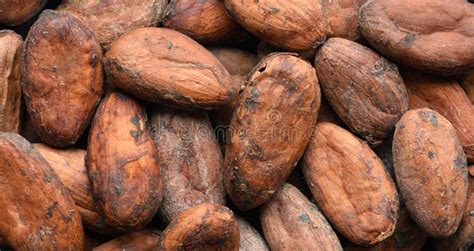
431 173
291 222
270 128
62 71
69 165
11 47
203 227
364 89
250 238
165 66
204 21
448 98
294 26
110 19
37 211
122 164
190 158
431 35
15 12
350 185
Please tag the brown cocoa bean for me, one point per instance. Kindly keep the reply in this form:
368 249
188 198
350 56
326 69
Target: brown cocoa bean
190 158
430 35
203 227
361 202
62 71
363 88
447 97
162 65
270 129
110 19
122 164
69 165
37 211
431 172
293 26
343 18
15 12
291 222
204 21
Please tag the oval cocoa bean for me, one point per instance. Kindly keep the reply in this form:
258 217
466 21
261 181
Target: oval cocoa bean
430 35
204 21
11 46
190 158
162 65
430 167
62 71
285 24
350 185
291 222
37 211
122 164
110 19
203 227
365 89
270 128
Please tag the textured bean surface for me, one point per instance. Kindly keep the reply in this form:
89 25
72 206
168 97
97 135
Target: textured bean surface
277 109
365 89
203 227
296 25
122 164
350 185
205 21
69 165
37 211
15 12
431 172
250 238
190 158
291 222
448 98
430 35
343 18
110 19
62 71
162 65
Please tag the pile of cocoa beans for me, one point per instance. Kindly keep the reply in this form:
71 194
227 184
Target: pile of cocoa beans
237 125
